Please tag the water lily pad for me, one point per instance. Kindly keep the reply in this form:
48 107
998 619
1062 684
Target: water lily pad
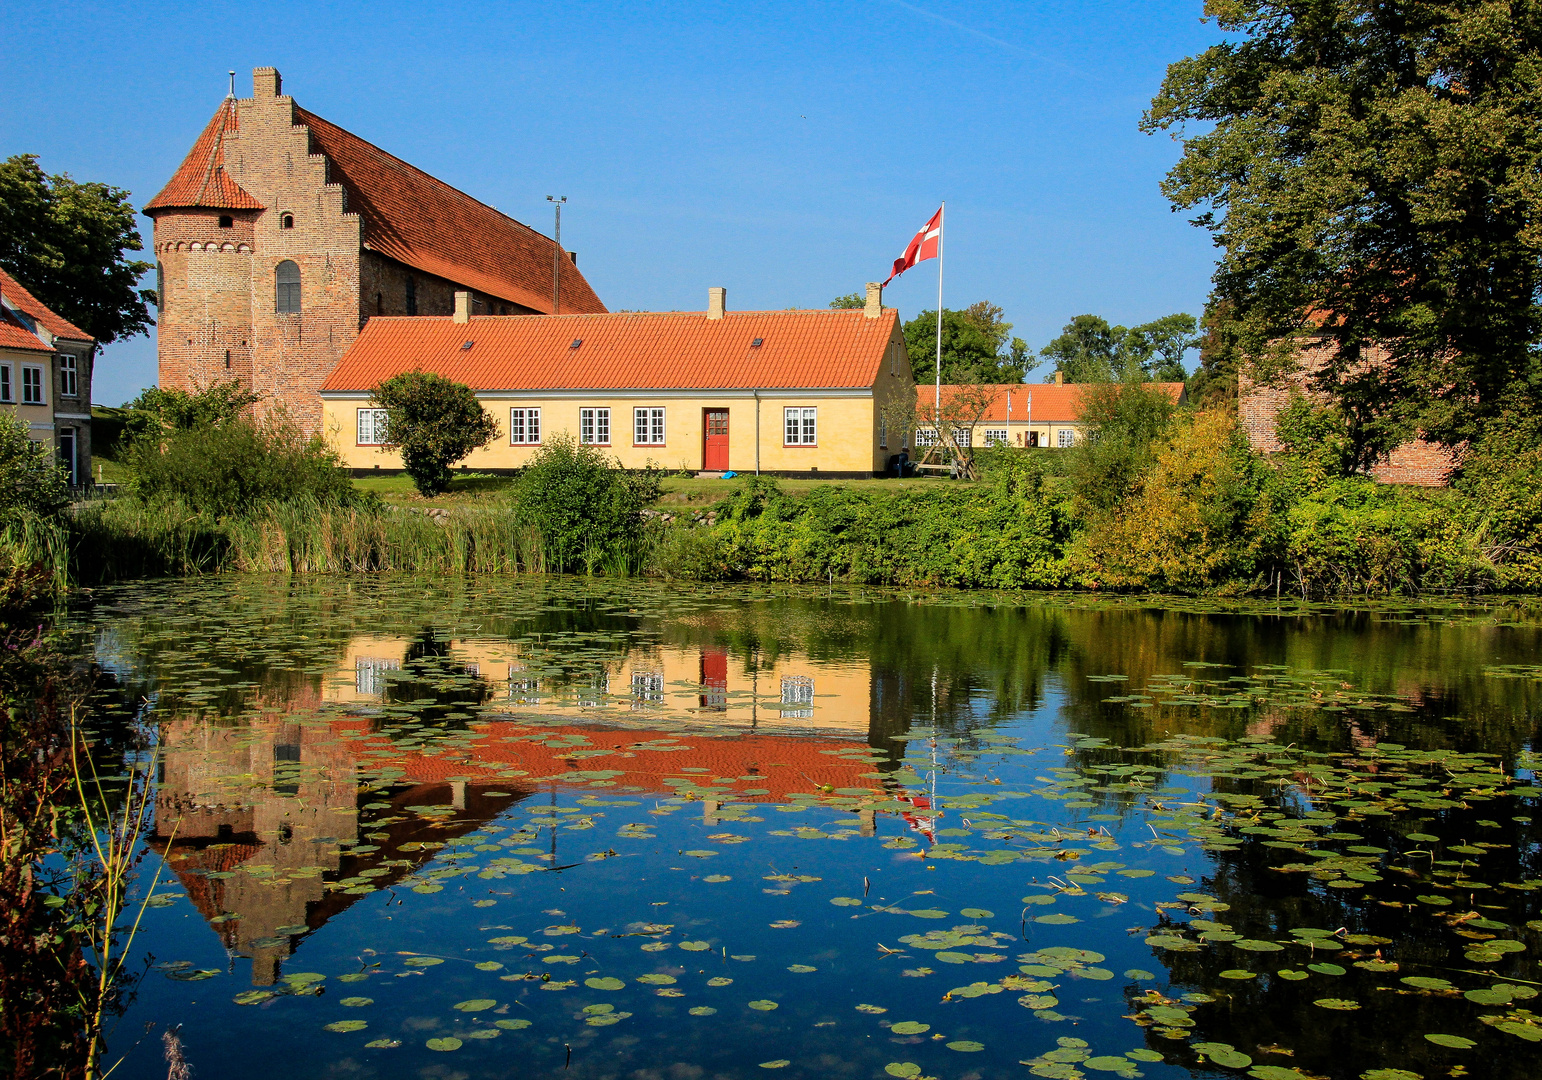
252 997
1138 974
1058 918
1455 1042
383 1044
512 1025
1253 945
348 1025
423 962
977 913
965 1046
1422 982
1238 973
801 969
910 1027
702 1010
875 1009
1338 1004
443 1045
905 1070
650 979
779 1063
1291 975
717 879
356 1002
1109 1063
845 901
763 1005
695 946
475 1005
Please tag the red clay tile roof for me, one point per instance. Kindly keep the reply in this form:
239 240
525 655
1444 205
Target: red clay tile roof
19 298
13 335
1039 403
425 223
201 179
834 349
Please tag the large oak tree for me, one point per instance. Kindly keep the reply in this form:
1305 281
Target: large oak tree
1372 171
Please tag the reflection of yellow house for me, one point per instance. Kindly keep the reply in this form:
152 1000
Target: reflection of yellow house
792 693
787 392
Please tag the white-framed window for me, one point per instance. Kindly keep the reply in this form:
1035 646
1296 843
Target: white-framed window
69 376
1065 437
369 674
647 687
31 385
800 426
7 388
372 427
797 691
648 427
963 437
995 436
524 426
926 436
883 433
594 427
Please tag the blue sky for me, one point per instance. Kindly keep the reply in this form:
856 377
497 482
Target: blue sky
785 150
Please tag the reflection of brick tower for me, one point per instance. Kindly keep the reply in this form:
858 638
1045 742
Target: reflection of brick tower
281 234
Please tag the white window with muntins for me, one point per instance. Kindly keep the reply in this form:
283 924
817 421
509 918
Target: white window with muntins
594 427
883 433
69 376
995 436
7 388
648 427
31 385
800 426
372 427
1065 437
963 437
524 426
926 436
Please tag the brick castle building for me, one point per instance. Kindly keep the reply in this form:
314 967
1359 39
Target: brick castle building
281 234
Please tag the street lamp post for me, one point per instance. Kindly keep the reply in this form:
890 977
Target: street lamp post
556 254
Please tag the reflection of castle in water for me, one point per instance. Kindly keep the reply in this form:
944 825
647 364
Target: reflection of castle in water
266 814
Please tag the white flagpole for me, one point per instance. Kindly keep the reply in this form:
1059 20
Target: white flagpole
937 400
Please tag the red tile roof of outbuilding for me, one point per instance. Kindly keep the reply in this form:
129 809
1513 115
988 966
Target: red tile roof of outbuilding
201 179
415 219
1039 403
17 296
818 349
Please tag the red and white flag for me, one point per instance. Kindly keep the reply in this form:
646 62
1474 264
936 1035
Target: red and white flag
924 246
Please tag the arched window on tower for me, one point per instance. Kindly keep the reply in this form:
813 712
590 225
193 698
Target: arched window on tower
286 281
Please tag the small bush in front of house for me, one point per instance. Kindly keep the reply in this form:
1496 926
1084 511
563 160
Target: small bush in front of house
31 479
433 422
587 510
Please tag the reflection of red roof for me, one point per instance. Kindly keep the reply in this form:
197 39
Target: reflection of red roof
425 223
641 350
19 298
1039 403
781 764
201 179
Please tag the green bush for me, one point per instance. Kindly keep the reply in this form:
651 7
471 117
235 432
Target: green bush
32 482
434 422
236 465
586 509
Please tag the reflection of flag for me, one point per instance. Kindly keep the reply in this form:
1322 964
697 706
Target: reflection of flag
921 823
924 246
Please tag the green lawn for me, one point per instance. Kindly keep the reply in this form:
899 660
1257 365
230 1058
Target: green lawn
678 490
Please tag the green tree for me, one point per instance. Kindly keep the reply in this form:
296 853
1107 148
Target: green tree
65 241
158 413
977 346
31 479
1369 172
433 422
1089 349
850 300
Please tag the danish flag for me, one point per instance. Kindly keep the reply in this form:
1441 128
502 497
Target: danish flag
924 246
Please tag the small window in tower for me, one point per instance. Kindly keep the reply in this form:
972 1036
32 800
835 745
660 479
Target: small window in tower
227 359
412 296
379 304
227 222
286 221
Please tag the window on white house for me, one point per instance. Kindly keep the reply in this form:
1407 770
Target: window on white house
524 426
69 375
926 436
648 427
963 437
372 427
995 436
7 391
594 427
32 386
800 427
797 690
1065 437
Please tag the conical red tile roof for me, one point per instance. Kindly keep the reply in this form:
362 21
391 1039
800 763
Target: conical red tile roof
201 180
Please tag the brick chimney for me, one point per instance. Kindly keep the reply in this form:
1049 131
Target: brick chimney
717 302
874 307
1059 378
462 307
266 83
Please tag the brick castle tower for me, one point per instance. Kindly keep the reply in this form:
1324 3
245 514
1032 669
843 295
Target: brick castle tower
281 234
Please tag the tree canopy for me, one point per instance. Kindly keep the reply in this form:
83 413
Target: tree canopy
1369 172
1089 349
65 241
977 346
433 422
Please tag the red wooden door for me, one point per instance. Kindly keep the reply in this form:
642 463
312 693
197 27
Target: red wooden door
714 452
